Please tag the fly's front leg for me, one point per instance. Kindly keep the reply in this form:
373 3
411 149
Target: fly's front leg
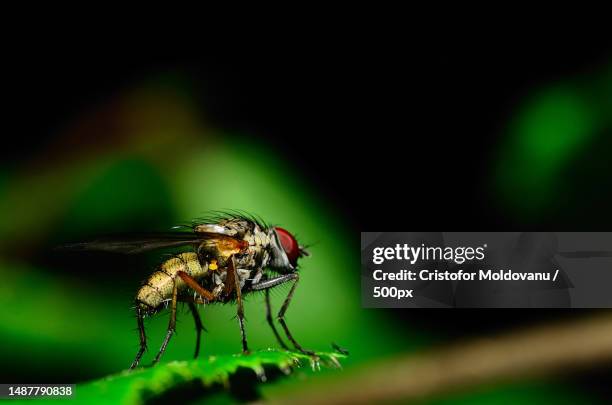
271 321
281 318
143 337
171 325
266 285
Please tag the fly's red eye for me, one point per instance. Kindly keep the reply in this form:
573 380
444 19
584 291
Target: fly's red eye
289 244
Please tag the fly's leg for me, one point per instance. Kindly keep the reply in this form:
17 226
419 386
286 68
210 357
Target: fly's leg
271 321
208 296
193 284
198 300
281 318
171 325
143 338
198 325
266 285
233 282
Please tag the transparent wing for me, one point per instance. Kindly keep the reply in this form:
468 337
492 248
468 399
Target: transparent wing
139 243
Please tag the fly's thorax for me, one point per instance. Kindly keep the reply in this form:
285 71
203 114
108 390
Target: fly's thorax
212 250
232 227
258 238
256 256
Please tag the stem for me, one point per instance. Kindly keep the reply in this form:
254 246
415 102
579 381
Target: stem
537 351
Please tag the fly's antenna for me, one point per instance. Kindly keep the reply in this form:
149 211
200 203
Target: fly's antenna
305 249
305 246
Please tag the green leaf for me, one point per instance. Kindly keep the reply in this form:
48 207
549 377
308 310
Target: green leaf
217 373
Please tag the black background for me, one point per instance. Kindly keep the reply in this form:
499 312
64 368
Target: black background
398 134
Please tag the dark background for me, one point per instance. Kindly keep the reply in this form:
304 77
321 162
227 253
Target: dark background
398 135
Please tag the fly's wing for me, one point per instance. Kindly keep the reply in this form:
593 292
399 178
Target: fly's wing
135 243
139 243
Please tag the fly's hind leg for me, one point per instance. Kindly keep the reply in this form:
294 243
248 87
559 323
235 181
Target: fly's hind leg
171 325
266 285
198 325
193 284
143 337
205 296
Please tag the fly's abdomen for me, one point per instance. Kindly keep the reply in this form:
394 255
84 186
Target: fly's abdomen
158 287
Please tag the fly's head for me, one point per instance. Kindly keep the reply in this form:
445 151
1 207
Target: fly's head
284 251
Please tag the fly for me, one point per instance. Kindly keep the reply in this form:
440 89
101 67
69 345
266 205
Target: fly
230 255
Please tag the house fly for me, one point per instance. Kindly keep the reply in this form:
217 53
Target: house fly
230 255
